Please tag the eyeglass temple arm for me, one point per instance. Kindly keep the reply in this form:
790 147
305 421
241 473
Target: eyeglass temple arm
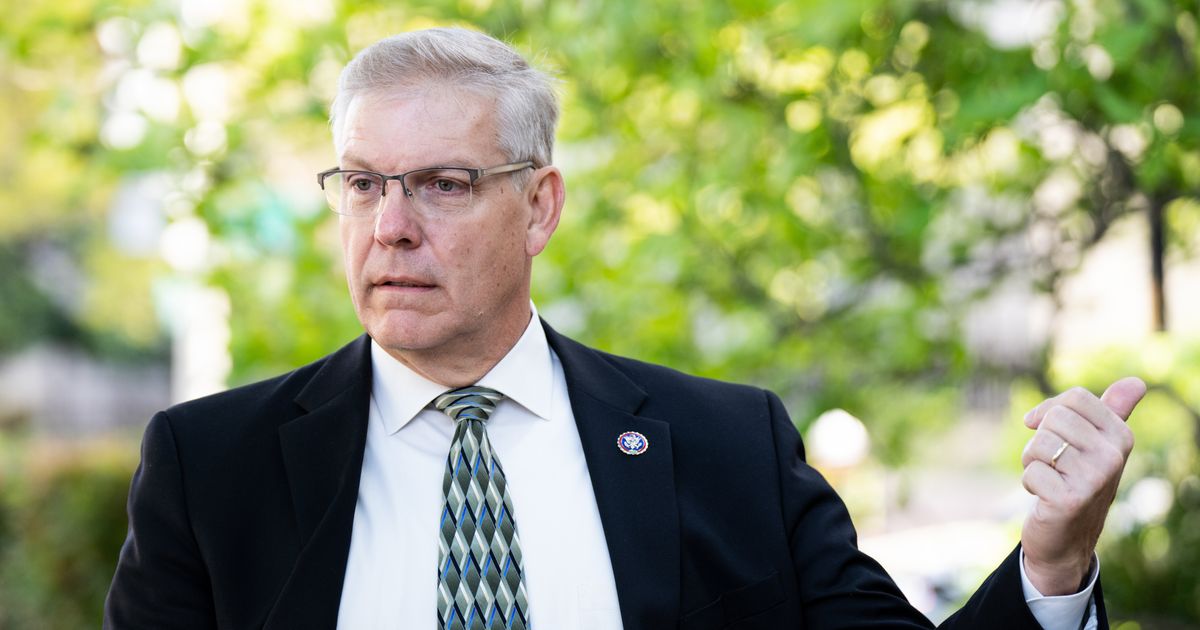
506 168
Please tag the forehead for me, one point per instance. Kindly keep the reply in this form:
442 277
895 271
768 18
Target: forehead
417 127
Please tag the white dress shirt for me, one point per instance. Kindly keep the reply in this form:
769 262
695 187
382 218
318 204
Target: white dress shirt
1062 612
391 572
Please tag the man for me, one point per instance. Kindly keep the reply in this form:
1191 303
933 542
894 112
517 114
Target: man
572 489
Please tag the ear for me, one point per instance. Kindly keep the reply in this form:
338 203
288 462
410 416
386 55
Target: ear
545 194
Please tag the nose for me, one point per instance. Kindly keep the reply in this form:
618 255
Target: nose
397 224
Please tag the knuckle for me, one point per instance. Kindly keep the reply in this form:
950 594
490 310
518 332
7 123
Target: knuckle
1076 395
1114 459
1027 480
1057 419
1125 438
1043 441
1103 464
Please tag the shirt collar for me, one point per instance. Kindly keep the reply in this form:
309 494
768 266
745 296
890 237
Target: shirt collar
525 375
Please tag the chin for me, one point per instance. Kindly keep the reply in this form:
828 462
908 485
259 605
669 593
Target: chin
402 331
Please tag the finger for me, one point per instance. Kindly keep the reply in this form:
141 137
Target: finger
1043 441
1122 396
1072 427
1091 459
1061 427
1042 481
1042 447
1033 417
1091 407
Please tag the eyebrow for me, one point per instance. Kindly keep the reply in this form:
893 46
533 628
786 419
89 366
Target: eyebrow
353 162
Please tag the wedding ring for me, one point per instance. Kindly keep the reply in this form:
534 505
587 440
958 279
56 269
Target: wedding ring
1062 449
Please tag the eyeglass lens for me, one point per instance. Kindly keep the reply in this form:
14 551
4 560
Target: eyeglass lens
357 193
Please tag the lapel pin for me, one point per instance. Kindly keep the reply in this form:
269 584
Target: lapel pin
632 443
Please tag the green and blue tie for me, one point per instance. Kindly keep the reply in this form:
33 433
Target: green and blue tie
481 583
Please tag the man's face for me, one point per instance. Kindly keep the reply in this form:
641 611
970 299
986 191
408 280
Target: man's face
425 284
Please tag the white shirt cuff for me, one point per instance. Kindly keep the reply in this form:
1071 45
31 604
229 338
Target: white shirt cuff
1062 612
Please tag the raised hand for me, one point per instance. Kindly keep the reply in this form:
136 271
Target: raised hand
1073 464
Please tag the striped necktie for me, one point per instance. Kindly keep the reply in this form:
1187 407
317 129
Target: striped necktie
480 572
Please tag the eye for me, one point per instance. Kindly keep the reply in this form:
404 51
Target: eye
447 185
441 183
363 183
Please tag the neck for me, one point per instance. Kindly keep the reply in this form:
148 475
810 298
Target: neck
466 361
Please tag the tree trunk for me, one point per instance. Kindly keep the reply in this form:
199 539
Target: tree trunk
1158 248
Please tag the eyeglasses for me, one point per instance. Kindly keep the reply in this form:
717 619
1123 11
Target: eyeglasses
435 190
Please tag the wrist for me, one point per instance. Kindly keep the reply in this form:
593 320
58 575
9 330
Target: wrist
1066 577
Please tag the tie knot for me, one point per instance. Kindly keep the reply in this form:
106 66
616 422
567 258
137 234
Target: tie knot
468 403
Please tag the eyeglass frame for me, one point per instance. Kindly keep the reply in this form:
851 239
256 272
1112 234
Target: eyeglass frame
475 175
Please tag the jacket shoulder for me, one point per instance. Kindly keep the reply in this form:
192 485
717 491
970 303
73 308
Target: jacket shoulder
695 403
665 391
245 399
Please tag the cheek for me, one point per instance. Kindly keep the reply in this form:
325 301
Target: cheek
355 242
482 259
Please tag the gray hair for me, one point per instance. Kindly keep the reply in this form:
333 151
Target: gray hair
526 106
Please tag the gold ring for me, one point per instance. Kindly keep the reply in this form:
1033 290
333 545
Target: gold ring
1062 449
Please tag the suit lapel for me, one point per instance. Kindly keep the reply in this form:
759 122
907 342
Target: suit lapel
323 452
634 493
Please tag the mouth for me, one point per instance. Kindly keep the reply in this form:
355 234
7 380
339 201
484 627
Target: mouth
403 283
411 285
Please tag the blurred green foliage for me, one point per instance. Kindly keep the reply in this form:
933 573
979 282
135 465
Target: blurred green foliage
61 518
808 196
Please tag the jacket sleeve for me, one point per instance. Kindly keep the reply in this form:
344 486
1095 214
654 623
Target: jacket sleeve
840 586
161 580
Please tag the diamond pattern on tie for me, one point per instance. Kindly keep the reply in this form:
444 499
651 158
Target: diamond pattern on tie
481 582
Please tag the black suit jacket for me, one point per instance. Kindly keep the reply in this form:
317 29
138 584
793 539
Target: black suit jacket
241 510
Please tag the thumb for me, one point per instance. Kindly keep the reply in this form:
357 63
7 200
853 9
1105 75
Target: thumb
1123 395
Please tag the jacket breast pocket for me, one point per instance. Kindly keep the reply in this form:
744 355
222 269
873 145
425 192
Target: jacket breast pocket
742 604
